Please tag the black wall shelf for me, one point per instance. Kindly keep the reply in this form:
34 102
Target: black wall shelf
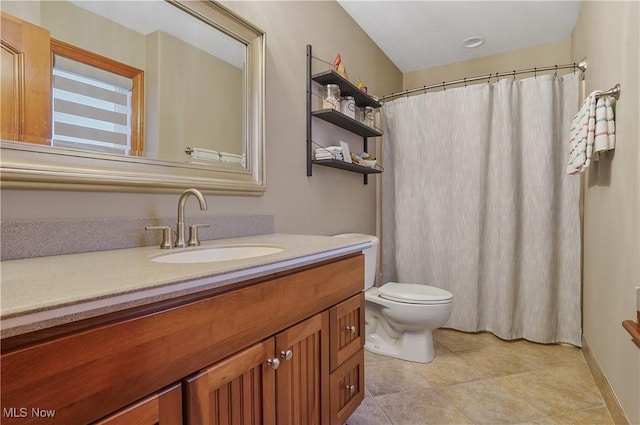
347 88
348 123
342 165
338 119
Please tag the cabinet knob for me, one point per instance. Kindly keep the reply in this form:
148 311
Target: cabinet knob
287 355
274 363
350 389
351 329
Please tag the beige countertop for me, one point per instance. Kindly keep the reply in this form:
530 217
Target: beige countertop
37 293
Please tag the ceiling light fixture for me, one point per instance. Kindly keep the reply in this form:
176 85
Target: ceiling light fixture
472 42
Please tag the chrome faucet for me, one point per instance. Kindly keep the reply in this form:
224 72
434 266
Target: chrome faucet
181 203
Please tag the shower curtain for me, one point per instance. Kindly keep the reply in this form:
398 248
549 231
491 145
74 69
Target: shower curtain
476 200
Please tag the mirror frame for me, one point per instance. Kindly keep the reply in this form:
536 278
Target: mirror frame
31 166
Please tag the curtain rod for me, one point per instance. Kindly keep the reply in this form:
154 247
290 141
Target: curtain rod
582 66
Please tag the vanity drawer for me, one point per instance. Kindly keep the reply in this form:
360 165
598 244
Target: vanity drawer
164 408
347 388
346 324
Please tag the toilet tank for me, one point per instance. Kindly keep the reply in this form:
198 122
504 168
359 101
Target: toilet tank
370 256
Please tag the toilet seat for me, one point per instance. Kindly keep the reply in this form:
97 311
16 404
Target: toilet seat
412 293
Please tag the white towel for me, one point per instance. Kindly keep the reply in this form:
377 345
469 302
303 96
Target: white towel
605 133
202 153
582 135
330 152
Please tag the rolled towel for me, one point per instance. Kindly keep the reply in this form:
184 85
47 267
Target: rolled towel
605 133
582 135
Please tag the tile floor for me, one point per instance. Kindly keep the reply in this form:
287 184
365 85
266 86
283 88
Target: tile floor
477 378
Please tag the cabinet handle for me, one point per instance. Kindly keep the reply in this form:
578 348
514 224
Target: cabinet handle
274 363
350 389
351 329
287 355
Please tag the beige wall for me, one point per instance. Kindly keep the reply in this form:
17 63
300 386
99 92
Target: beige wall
607 34
331 201
557 53
201 103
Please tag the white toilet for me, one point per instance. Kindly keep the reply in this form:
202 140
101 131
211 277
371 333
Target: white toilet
401 316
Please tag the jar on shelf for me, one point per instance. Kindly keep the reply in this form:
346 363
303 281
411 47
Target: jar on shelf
331 97
368 116
348 106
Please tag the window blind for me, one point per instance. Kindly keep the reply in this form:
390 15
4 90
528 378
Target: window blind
91 107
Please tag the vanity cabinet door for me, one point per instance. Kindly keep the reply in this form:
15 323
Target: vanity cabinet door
347 388
239 390
301 380
347 329
164 408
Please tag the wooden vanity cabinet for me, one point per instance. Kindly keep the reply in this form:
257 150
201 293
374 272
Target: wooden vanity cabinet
276 381
216 350
163 408
346 358
238 390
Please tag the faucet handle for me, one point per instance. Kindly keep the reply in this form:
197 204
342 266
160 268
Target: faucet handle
167 235
193 234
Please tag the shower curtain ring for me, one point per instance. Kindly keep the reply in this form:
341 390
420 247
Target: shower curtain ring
489 79
443 86
497 77
556 72
465 81
424 88
535 72
514 75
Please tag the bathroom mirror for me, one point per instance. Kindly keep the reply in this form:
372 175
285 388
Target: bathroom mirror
203 102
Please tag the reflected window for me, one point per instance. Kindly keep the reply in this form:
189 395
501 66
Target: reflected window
91 108
96 102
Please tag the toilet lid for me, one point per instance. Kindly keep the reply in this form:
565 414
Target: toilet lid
414 294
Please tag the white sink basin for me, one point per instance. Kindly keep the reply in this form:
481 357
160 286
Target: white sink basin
216 254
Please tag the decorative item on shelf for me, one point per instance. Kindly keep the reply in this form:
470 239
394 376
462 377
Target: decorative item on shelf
366 160
331 98
360 85
339 67
346 152
368 116
348 106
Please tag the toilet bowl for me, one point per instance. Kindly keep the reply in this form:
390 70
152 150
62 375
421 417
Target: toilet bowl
400 317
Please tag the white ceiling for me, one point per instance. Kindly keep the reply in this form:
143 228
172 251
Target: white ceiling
421 34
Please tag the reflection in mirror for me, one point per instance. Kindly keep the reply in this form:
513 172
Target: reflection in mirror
200 72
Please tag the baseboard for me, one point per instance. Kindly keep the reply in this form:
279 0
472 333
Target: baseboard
617 414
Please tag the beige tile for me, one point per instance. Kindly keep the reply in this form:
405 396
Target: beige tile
368 413
597 416
489 402
392 376
424 407
458 341
486 380
545 355
497 362
370 357
556 390
448 370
